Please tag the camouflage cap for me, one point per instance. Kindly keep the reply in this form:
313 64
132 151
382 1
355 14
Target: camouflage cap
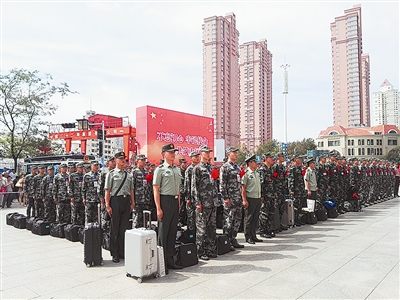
231 149
79 165
140 157
192 154
50 168
280 154
63 165
204 148
41 167
94 162
182 160
33 167
265 155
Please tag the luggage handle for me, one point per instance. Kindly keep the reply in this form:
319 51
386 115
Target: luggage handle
147 225
99 214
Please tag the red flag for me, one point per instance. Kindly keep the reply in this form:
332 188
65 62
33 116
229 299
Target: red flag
149 177
303 173
215 174
276 174
242 172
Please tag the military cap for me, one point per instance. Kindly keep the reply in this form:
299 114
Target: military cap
231 149
41 166
50 168
94 162
322 156
194 153
119 155
265 155
140 157
182 161
79 165
296 156
33 167
168 148
111 158
71 165
310 160
280 154
250 158
204 148
63 165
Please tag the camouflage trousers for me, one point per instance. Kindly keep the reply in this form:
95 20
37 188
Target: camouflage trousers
39 208
137 215
297 204
30 207
50 210
105 222
78 213
191 216
233 219
64 212
91 212
322 196
206 226
281 204
267 213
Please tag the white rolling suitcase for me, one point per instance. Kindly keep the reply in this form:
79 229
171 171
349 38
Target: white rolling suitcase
141 251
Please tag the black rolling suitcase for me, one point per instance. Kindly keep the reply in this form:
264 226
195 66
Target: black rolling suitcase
81 234
57 229
186 255
29 223
93 235
41 227
106 240
20 221
322 214
10 218
223 244
71 232
332 213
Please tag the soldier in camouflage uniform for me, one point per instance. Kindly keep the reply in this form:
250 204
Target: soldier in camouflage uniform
204 191
268 193
90 194
296 188
37 181
341 193
47 195
75 192
333 178
355 184
29 193
60 195
230 188
182 209
279 172
365 184
105 220
190 207
141 187
322 182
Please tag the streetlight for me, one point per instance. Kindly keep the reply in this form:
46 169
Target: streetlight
285 91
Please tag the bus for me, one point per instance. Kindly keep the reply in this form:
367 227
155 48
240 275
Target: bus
56 160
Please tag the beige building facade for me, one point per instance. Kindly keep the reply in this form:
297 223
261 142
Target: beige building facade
365 142
255 94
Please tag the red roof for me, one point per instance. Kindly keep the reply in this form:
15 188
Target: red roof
357 131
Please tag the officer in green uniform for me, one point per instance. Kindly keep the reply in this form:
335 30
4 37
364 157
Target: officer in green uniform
120 202
251 195
166 182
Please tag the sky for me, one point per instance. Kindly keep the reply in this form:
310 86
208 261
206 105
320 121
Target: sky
119 55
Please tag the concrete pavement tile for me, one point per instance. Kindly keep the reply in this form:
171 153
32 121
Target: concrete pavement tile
99 288
334 290
20 292
388 288
20 268
195 292
17 280
53 284
65 294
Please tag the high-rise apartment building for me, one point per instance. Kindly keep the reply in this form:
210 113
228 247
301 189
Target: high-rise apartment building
221 90
386 105
350 71
255 94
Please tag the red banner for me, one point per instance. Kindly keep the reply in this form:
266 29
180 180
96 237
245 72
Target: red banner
156 127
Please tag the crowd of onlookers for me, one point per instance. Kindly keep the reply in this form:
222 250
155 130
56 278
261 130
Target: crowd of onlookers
11 187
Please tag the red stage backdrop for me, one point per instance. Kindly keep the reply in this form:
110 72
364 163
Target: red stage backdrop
156 127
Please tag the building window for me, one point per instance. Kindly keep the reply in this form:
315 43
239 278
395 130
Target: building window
392 142
333 143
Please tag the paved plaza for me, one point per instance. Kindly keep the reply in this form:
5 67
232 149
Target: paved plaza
355 256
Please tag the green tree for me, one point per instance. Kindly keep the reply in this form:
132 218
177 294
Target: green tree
301 147
25 101
393 155
243 153
272 146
